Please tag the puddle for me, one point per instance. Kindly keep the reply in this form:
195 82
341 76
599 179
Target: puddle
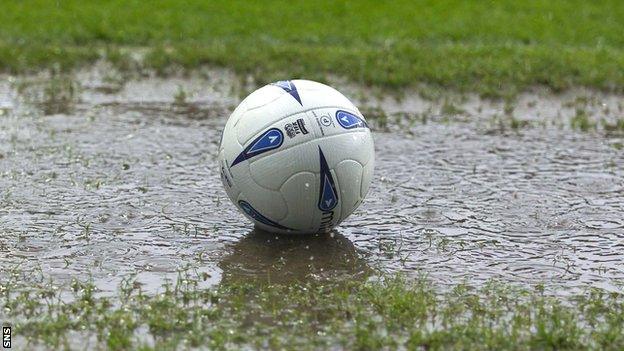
126 184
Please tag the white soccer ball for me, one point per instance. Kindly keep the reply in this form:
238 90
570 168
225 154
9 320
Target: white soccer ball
296 157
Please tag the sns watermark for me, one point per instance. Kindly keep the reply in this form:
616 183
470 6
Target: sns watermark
6 337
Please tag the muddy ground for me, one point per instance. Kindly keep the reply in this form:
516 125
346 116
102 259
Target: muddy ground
104 177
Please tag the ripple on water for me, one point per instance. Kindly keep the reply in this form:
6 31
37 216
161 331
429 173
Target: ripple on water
604 223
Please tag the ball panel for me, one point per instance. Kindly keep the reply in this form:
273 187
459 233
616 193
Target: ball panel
273 169
259 119
227 180
269 202
300 192
258 98
257 217
230 147
367 177
261 97
351 145
349 176
314 95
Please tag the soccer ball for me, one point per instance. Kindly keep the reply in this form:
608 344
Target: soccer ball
296 157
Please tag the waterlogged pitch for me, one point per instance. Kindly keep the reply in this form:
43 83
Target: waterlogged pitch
296 157
493 219
103 200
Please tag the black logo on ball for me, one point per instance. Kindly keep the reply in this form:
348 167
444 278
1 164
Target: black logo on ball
294 128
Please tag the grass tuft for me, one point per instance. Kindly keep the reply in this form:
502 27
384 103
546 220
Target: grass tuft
392 312
582 121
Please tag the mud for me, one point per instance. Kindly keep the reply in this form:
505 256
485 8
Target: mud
122 182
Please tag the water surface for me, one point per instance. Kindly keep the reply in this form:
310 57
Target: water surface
125 184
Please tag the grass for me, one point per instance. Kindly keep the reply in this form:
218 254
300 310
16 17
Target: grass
494 48
180 97
450 109
392 313
615 127
59 93
582 121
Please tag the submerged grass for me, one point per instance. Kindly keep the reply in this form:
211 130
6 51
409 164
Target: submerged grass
495 48
582 121
57 93
393 312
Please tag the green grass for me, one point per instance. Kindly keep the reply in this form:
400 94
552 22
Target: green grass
391 313
582 121
494 48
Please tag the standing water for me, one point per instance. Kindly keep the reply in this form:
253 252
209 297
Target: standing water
111 182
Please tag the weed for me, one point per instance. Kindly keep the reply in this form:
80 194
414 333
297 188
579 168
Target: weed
613 128
180 97
508 108
581 121
516 124
60 94
449 109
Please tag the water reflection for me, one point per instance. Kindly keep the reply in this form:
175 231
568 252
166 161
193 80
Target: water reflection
263 257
